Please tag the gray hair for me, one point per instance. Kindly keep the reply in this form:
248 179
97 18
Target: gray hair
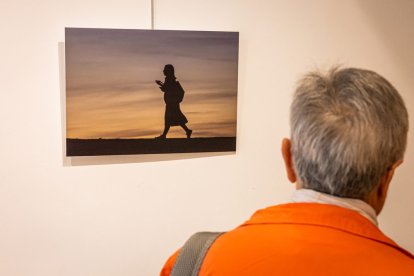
349 127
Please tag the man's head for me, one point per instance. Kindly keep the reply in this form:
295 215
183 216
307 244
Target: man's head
348 134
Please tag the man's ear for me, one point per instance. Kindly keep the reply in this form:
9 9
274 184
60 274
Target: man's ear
287 158
377 199
383 189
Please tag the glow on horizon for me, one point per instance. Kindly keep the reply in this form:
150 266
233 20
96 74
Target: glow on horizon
111 91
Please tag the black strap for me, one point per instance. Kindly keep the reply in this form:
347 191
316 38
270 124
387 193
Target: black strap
192 254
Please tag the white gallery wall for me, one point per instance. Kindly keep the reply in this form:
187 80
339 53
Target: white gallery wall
126 215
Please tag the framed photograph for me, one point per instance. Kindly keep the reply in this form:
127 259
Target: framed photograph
150 91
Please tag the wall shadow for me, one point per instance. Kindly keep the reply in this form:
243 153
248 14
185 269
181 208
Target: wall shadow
393 23
123 159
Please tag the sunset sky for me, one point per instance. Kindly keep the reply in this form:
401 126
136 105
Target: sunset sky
111 90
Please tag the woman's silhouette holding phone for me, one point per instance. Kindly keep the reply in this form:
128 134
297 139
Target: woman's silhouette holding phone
173 95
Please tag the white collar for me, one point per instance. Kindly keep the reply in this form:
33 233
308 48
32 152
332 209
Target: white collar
363 208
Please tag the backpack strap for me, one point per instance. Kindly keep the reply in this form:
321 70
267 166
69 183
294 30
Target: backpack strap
192 254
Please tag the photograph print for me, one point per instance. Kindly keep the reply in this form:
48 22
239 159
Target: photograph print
150 91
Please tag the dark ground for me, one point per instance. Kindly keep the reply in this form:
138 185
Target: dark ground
93 147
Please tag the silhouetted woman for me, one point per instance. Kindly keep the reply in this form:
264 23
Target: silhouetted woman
173 95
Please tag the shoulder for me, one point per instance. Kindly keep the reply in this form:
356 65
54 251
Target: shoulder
277 239
169 264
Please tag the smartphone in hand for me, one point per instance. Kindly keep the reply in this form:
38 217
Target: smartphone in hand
160 83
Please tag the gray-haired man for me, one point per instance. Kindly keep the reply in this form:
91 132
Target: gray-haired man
348 136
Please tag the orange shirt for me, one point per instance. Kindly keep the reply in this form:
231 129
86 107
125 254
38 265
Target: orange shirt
304 239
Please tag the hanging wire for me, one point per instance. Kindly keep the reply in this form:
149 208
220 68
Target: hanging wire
152 14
